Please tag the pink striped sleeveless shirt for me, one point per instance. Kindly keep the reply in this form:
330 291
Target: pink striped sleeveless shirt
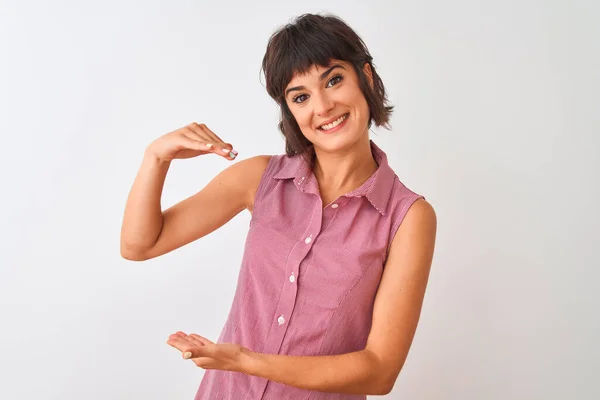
309 273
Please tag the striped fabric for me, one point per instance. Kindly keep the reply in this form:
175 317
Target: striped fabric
309 274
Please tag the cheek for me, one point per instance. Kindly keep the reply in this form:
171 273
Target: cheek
352 96
361 104
302 118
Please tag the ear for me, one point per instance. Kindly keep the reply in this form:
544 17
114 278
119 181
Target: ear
369 73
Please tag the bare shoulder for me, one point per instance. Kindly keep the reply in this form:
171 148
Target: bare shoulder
257 163
421 211
248 174
421 215
419 224
250 167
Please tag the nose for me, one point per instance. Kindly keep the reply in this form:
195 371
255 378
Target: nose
322 103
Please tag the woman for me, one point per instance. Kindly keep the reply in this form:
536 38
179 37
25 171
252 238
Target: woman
338 252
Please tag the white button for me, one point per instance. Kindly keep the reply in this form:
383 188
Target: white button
281 320
307 240
334 205
292 278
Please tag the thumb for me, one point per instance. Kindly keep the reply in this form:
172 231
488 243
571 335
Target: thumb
200 348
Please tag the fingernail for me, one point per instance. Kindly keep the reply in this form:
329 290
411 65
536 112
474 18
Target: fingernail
209 145
232 154
187 355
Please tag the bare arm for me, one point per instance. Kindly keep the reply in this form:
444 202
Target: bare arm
143 217
149 232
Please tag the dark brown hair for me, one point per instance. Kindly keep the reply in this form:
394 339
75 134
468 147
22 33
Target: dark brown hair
315 40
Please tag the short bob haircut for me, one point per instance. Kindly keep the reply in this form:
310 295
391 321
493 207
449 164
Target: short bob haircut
315 40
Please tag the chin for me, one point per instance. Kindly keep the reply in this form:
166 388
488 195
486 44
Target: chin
337 142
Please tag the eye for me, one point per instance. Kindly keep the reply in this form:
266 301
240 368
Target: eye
335 80
299 99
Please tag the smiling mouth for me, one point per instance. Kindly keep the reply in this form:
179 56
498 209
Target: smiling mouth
333 124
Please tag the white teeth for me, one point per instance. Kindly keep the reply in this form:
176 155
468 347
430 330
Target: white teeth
334 123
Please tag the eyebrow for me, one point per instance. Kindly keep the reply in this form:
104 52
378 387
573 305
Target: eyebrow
323 76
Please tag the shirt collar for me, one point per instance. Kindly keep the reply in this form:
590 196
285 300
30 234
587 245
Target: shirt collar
376 189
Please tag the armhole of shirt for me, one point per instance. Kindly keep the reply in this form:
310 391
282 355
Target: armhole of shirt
406 204
264 180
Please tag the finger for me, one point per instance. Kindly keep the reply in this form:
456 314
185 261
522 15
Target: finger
186 346
226 148
189 142
194 132
192 136
211 141
200 339
193 350
202 362
178 342
196 342
212 135
205 346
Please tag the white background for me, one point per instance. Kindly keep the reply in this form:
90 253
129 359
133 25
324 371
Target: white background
496 123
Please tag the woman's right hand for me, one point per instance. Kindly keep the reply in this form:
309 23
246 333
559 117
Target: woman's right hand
190 141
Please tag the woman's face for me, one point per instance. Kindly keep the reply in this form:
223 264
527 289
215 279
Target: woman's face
329 106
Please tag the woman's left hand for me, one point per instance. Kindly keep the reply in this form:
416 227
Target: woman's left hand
206 354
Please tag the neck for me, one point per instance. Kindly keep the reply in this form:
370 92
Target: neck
344 171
